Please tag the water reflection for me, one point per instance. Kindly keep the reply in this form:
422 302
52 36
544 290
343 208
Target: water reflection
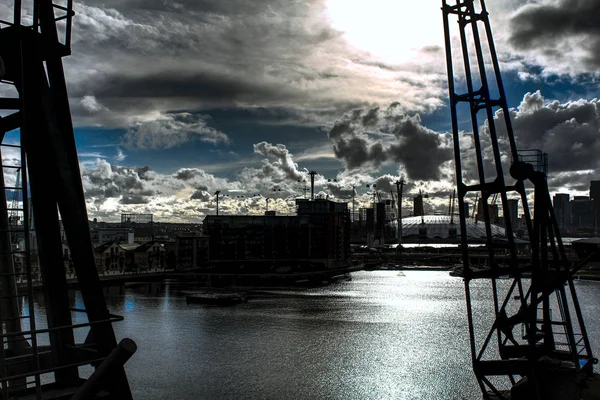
382 335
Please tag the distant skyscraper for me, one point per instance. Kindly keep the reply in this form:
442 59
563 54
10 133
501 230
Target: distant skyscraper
466 205
418 206
492 210
562 210
513 211
479 215
582 212
595 191
595 197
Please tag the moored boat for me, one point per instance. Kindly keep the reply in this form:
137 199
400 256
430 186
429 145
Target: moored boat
218 299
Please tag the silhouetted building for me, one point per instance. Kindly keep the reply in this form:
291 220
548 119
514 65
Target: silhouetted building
582 212
418 209
513 211
380 221
105 235
595 198
142 224
366 218
492 211
191 251
318 234
562 211
150 255
109 257
329 229
466 204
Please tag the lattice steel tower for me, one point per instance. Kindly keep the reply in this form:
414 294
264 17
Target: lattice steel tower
528 338
40 358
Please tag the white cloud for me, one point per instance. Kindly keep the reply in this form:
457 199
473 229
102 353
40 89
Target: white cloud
92 105
121 156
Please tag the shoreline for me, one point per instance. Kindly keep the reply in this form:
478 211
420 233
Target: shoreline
268 280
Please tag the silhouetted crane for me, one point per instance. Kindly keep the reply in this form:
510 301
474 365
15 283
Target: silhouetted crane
533 348
32 45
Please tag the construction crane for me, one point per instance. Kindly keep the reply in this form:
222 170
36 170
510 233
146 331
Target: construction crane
535 345
32 45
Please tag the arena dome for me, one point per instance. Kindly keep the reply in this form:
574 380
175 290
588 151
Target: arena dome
438 227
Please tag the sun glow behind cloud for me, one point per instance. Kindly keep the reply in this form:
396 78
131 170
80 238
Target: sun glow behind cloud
392 31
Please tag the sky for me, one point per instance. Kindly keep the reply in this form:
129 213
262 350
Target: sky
174 100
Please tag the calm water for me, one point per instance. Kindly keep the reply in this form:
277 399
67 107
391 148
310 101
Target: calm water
383 335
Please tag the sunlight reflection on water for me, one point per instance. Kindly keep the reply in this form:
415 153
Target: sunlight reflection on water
382 335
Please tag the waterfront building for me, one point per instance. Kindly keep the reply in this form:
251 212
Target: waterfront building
191 250
109 257
329 230
150 255
562 211
319 235
582 213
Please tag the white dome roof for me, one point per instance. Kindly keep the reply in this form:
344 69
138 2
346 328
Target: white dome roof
439 227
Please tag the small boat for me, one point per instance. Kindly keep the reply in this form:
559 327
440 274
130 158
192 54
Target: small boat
217 299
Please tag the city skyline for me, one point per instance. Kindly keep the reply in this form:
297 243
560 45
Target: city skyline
173 101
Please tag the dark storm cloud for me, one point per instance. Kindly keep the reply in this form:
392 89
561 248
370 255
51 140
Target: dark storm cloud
134 199
171 130
570 182
137 59
198 52
557 28
187 173
370 138
214 87
387 183
201 194
569 132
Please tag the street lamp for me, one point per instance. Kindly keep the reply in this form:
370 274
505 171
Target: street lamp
305 188
268 198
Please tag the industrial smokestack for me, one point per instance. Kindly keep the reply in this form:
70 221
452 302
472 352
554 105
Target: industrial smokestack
312 184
